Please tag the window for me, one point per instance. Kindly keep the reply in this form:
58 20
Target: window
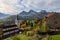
55 22
46 17
54 18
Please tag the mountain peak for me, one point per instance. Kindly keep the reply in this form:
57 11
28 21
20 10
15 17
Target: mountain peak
23 11
31 11
43 11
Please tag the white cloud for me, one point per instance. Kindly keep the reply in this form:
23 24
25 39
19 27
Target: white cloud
41 4
9 6
16 6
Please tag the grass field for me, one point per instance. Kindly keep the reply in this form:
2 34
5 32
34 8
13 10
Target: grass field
54 37
21 37
25 37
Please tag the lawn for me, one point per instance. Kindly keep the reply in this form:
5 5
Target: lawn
54 37
21 37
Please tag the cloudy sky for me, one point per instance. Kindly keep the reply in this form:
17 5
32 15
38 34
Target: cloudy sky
17 6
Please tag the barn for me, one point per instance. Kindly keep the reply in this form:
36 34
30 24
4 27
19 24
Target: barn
51 21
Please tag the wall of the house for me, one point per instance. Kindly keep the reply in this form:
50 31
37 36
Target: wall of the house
53 21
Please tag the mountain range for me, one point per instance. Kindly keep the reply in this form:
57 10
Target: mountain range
31 15
10 19
23 16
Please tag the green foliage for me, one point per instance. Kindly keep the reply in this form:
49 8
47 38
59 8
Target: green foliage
35 26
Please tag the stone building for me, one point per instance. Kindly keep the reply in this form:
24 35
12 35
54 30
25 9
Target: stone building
51 21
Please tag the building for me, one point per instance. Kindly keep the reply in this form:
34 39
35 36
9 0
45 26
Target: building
17 22
51 21
1 33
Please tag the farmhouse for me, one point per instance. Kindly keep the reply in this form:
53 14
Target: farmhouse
52 21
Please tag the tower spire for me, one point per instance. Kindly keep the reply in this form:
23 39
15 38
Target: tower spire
17 21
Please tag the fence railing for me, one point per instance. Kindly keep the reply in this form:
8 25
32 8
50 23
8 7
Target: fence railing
8 31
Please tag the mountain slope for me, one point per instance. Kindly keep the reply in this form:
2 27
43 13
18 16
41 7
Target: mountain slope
3 15
42 13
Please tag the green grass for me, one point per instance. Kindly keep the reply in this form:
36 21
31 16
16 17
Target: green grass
25 37
54 37
19 37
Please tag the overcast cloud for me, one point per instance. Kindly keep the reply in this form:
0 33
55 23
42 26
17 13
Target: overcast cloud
17 6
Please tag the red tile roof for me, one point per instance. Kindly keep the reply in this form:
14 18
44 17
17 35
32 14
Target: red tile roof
48 15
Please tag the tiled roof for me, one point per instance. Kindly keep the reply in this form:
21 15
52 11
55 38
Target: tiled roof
48 15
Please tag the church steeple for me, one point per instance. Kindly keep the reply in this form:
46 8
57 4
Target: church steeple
17 21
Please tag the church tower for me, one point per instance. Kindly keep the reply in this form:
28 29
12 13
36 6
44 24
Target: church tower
17 21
